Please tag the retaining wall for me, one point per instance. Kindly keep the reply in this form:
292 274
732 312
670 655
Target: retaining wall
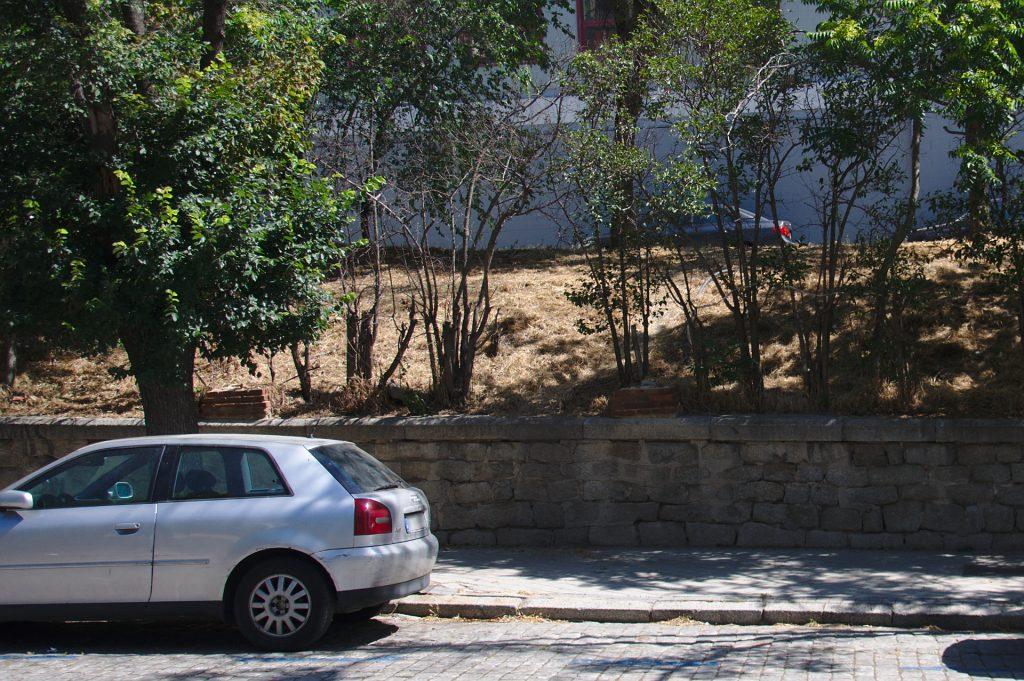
701 481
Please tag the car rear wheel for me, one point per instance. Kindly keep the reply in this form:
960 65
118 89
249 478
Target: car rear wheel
283 604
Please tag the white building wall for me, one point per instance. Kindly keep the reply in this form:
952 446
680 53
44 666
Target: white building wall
796 196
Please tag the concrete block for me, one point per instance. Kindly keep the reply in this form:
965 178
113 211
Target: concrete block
820 539
930 454
710 534
774 452
550 452
855 613
829 454
740 612
677 453
904 516
998 518
870 455
847 476
716 458
466 607
874 429
793 612
582 608
679 429
906 474
709 511
995 472
520 536
480 492
760 491
969 493
959 616
875 541
662 533
842 519
548 515
868 496
923 491
780 472
771 514
946 518
761 535
614 535
472 538
924 541
771 428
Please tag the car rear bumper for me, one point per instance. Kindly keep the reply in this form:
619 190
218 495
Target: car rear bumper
381 567
351 601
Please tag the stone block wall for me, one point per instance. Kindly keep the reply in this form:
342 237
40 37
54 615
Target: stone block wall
758 481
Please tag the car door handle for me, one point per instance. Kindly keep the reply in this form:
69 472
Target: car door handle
127 528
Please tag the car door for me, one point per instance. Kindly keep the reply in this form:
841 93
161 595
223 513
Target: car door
215 504
89 537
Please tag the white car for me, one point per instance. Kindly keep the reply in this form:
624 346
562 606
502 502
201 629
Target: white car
274 534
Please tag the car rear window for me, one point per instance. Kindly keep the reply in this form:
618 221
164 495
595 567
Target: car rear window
357 471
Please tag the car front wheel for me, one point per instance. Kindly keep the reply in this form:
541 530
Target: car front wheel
283 604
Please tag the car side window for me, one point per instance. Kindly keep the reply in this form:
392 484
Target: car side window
225 473
108 477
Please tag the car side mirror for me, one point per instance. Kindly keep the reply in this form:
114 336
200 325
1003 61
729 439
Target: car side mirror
121 491
15 501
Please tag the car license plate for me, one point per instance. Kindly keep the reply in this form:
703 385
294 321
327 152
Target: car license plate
414 522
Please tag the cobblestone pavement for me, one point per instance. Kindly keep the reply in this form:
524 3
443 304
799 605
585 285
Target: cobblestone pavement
405 647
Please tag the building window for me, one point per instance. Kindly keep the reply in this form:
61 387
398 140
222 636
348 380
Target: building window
596 21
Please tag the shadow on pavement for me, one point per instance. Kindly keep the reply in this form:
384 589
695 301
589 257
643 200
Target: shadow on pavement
134 638
868 576
988 658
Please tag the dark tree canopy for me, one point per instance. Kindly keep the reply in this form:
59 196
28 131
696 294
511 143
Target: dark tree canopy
154 190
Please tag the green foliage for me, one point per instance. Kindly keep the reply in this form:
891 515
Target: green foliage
1000 245
963 59
628 197
192 218
907 286
427 56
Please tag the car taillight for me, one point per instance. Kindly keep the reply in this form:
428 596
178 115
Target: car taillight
372 517
783 230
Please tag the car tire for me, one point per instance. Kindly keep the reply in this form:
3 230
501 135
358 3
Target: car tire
360 615
283 604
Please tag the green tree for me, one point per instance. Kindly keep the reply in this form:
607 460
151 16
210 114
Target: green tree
617 177
155 188
1000 245
397 68
727 69
960 59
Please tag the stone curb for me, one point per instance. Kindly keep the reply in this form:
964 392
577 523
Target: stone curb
760 428
587 608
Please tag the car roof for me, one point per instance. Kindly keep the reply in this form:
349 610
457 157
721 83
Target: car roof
214 438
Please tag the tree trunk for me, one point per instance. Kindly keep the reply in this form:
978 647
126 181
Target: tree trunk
300 358
976 191
881 278
9 361
164 374
214 16
359 341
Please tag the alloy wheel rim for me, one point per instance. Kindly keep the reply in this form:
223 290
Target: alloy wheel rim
279 605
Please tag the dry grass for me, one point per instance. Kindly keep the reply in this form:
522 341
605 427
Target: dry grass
967 361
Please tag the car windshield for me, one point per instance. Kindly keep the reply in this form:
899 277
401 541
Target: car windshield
357 471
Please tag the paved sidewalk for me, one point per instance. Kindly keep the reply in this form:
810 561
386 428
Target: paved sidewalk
720 586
